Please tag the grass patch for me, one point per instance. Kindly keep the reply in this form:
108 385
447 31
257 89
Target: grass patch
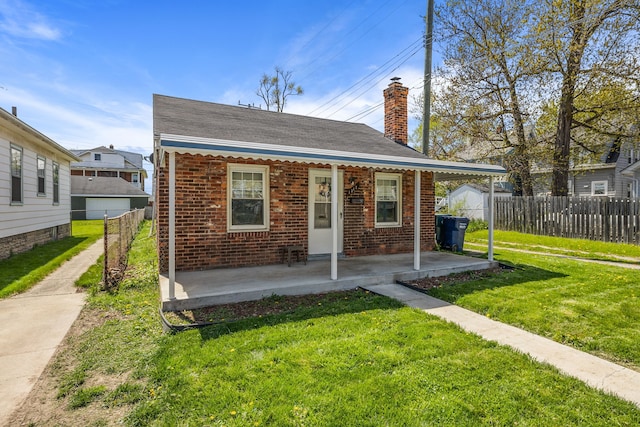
592 307
582 248
21 271
348 359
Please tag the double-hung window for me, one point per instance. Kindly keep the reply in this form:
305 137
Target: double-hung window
56 183
599 188
16 174
388 200
248 198
41 176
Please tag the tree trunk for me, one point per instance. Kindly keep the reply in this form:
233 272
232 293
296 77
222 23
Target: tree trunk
562 145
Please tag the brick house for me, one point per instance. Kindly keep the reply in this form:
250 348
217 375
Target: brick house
236 185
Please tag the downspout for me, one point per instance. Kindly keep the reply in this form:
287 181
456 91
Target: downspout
491 209
172 225
334 221
416 221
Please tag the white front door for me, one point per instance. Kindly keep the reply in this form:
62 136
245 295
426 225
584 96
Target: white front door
321 191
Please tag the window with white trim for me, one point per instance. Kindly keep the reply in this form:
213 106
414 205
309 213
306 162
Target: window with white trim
599 188
41 176
56 183
16 174
248 198
97 157
388 199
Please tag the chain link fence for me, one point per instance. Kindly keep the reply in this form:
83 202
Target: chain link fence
118 235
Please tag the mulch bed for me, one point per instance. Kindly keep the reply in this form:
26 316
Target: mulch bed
452 279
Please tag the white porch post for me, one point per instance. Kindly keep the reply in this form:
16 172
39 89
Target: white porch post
172 225
491 209
334 221
416 221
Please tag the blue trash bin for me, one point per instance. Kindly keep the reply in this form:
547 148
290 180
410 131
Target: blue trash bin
453 229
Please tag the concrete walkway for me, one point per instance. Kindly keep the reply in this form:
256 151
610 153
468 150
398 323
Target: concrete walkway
596 372
33 325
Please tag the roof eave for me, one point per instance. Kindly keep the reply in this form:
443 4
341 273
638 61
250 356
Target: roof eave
243 149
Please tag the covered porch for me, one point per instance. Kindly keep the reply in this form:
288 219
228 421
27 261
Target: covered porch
194 289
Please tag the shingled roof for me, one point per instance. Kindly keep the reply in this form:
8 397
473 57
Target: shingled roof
179 116
103 186
184 125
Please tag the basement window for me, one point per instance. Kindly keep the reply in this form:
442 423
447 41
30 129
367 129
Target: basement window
247 198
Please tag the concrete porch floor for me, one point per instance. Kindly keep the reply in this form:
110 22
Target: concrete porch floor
194 289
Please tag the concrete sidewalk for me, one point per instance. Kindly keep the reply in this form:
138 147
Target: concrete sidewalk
34 324
596 372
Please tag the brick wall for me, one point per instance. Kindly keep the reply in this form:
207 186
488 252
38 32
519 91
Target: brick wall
26 241
202 240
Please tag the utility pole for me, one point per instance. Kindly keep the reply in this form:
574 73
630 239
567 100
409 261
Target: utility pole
426 111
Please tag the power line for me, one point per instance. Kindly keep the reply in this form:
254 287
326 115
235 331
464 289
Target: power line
356 39
376 83
377 70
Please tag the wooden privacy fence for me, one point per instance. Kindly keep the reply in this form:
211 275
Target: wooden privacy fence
594 218
118 235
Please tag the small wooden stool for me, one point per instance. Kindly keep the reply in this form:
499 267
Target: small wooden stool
298 250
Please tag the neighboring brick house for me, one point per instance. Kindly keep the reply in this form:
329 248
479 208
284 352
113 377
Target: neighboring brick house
108 162
34 187
235 185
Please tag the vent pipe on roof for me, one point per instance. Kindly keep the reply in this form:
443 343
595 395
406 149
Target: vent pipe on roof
14 111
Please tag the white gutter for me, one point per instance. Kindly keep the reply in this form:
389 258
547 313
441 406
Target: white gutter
491 216
416 221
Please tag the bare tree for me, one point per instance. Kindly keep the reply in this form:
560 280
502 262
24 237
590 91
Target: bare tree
275 89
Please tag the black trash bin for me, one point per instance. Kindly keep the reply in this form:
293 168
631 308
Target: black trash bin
439 234
453 229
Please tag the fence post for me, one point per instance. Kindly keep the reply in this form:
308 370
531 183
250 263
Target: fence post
105 273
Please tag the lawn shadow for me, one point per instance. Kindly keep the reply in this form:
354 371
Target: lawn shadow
213 322
20 265
451 288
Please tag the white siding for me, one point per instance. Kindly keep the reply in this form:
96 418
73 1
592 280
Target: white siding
35 212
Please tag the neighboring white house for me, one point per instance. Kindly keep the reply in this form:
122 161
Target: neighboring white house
111 163
35 204
472 200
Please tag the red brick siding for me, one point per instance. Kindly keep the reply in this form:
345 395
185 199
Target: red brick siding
202 240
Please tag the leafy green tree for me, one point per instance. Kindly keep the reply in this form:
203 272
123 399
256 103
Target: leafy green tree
591 45
489 71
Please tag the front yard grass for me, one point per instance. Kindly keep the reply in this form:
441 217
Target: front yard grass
354 360
590 306
22 271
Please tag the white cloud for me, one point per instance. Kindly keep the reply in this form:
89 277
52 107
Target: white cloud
19 19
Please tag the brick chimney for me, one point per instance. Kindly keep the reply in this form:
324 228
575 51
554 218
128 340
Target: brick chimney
395 111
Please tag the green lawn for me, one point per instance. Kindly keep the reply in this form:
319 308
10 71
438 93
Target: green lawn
21 271
556 245
593 307
356 359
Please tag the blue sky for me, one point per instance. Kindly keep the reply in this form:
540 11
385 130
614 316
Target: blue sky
83 72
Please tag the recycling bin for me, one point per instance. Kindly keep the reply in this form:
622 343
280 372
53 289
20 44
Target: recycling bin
453 229
439 219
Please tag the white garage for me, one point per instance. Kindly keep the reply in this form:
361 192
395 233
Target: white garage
97 207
